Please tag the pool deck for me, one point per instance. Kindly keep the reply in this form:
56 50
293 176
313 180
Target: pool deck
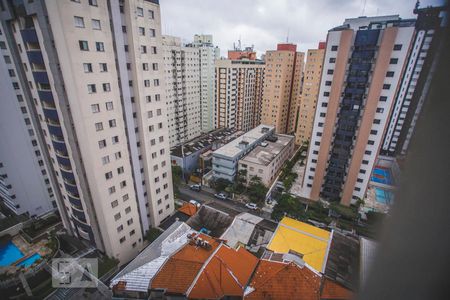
371 203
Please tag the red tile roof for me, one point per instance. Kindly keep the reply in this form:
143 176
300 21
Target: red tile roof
279 280
178 273
188 209
226 274
333 290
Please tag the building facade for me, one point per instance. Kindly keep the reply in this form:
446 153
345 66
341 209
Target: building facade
182 69
85 66
225 159
239 88
282 87
26 184
208 54
363 65
309 94
416 80
266 160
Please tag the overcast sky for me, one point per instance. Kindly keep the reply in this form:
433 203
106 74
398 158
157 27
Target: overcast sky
264 23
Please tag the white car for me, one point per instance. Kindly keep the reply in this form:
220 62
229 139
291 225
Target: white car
196 187
252 206
220 196
196 203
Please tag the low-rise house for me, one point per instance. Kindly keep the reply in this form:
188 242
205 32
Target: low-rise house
226 158
187 155
310 243
266 160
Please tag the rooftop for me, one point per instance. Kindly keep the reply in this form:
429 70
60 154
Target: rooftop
220 136
180 270
267 151
226 274
137 275
283 280
241 230
212 219
310 243
232 149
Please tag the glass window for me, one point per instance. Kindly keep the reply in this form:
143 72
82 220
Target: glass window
83 45
96 24
100 46
79 22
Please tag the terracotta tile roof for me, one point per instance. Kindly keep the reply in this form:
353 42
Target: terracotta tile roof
188 209
333 290
280 280
225 274
178 273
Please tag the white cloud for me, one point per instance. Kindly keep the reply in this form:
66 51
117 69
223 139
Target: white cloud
264 23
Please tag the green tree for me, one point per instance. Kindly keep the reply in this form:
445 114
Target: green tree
152 234
290 206
177 175
220 184
256 191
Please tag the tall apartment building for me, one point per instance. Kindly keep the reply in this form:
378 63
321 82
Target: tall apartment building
282 87
239 90
84 66
208 54
182 69
362 72
309 94
26 185
416 80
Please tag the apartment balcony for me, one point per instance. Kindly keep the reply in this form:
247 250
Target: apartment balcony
29 35
84 234
50 113
74 200
41 77
67 174
46 95
35 57
79 214
62 158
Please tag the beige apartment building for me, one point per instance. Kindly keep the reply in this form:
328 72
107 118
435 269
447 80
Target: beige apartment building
282 87
309 94
239 88
267 159
182 70
93 72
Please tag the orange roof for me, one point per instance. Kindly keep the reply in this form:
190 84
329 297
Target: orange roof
188 209
279 280
180 270
226 274
333 290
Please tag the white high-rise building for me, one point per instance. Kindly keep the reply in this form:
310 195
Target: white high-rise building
26 185
208 54
92 72
182 71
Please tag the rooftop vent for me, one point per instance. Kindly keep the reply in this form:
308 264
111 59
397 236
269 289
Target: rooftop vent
272 138
263 144
264 129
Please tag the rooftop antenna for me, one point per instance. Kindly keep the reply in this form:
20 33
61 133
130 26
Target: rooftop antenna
287 36
239 43
364 7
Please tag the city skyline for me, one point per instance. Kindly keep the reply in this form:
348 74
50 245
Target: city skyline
248 21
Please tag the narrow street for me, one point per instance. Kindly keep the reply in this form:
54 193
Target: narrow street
207 197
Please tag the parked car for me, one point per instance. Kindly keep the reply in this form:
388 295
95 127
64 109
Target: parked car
252 206
195 202
196 187
220 196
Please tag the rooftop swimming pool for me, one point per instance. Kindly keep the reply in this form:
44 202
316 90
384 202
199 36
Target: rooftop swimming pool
29 261
382 175
9 253
383 196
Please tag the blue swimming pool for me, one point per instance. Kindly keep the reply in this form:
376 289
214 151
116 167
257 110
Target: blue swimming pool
383 196
29 261
382 175
9 253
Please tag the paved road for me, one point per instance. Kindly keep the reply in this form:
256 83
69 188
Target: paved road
208 197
